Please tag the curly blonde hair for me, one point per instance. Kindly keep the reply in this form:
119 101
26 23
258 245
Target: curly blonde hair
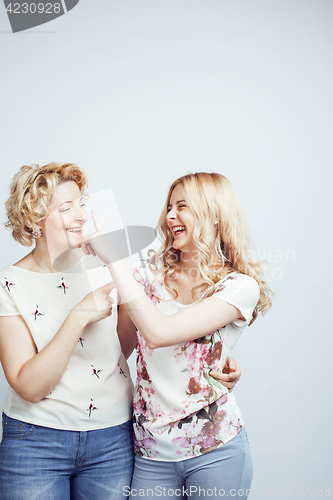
30 194
220 226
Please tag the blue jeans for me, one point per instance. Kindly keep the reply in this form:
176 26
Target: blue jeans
39 463
224 472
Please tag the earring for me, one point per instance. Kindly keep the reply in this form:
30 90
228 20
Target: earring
216 222
36 233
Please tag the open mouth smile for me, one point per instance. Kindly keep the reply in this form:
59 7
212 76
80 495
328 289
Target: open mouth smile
74 229
178 229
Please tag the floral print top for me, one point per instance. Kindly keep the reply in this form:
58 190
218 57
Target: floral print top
180 411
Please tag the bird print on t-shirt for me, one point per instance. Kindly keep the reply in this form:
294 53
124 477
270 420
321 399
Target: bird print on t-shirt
91 407
36 313
95 371
121 371
63 286
7 285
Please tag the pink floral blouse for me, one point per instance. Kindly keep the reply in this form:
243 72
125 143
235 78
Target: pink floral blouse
180 411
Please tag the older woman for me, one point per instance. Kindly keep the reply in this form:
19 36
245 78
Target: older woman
66 424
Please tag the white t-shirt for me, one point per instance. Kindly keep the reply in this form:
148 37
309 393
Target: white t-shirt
180 410
95 391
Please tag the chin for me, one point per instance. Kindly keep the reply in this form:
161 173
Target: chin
66 245
75 244
74 241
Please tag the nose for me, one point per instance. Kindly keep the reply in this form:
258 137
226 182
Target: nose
171 214
81 214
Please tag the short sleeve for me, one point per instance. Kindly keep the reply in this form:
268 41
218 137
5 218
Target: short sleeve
7 305
242 292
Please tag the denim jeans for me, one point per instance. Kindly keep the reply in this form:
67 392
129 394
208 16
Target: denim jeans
40 463
225 472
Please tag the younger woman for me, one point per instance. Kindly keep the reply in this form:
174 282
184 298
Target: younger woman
203 291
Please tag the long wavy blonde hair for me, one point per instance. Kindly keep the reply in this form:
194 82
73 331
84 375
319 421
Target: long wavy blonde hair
220 229
30 194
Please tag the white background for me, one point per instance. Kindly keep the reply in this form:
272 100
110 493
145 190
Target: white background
139 92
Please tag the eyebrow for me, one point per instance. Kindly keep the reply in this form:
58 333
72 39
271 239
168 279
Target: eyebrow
177 203
71 201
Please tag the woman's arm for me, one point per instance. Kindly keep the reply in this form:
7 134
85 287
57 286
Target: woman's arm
33 375
158 330
195 321
231 372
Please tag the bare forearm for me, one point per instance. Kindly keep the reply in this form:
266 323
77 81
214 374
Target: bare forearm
161 330
39 376
158 329
145 315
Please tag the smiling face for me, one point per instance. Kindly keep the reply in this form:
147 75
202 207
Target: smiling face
64 225
180 220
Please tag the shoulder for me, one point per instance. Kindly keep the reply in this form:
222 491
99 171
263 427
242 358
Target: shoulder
7 273
24 263
7 285
238 281
240 291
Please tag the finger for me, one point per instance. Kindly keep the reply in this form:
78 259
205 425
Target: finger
226 378
236 374
97 224
91 249
106 291
231 363
225 383
230 368
223 377
108 287
84 247
87 247
233 379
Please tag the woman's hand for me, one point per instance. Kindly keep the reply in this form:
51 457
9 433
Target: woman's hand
23 364
96 305
98 243
230 375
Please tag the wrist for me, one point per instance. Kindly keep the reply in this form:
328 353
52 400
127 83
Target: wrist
77 320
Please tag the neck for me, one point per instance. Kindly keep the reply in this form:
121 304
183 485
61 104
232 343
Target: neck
54 263
190 262
67 259
42 260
